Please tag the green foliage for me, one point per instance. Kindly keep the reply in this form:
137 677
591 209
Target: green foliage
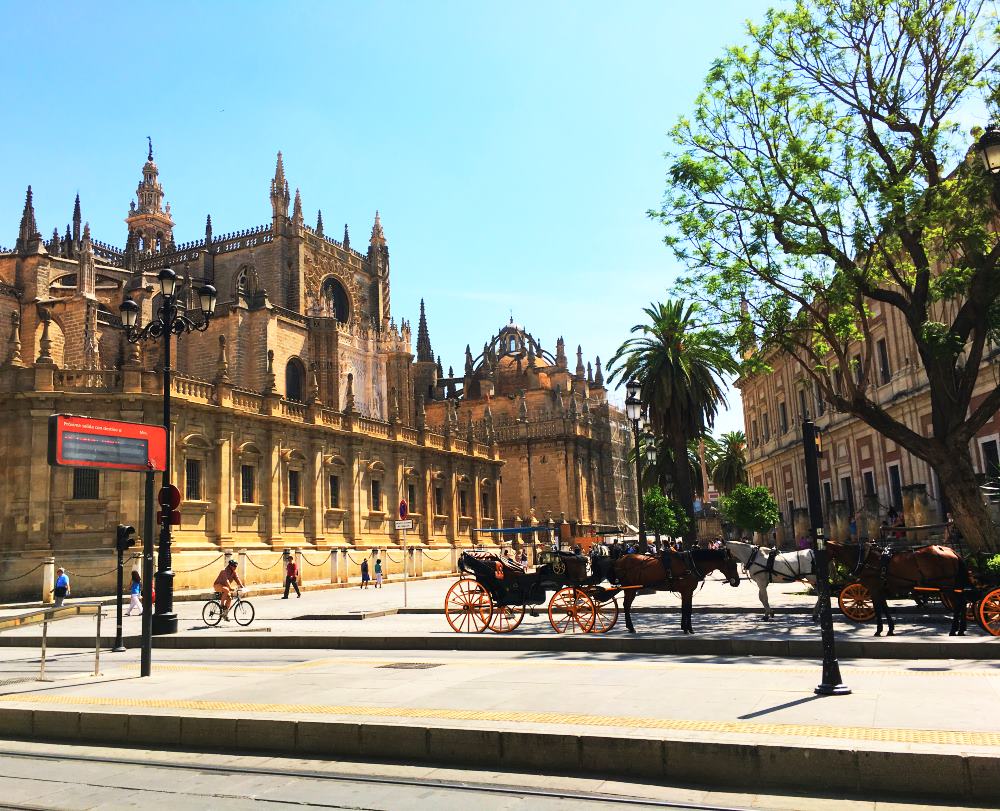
993 565
663 515
750 508
729 467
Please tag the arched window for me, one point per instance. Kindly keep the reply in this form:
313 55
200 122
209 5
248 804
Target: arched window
335 295
513 344
295 378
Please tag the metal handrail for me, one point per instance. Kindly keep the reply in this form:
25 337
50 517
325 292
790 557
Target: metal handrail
46 615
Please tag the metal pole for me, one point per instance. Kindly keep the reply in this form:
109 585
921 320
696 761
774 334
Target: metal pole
643 546
831 684
119 644
406 604
97 647
165 620
45 637
147 577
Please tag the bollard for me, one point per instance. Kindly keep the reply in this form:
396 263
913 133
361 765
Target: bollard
334 565
297 557
48 581
345 566
241 566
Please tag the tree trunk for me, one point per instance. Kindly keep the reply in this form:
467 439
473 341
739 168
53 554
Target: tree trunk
683 483
970 513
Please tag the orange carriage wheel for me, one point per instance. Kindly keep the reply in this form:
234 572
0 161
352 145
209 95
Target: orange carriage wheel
989 612
468 607
856 603
571 611
506 618
606 616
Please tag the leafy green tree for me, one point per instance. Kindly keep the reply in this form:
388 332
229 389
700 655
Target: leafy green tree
751 508
663 516
821 186
730 463
678 363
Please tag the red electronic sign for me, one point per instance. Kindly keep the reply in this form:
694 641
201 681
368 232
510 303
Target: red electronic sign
109 444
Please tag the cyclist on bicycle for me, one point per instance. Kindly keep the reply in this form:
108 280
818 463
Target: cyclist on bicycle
223 585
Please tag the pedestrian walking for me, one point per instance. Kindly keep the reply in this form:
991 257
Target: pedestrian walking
852 527
291 576
378 573
365 577
135 592
61 589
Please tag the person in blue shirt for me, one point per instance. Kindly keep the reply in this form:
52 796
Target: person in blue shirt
135 592
61 590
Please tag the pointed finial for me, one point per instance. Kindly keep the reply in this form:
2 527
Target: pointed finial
468 361
579 361
440 369
77 219
222 364
150 155
319 222
279 173
590 373
55 244
86 236
297 207
598 374
208 229
424 352
378 236
347 237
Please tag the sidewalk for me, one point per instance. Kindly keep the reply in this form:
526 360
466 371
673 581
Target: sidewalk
906 729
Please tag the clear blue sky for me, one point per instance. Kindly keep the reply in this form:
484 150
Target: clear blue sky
513 148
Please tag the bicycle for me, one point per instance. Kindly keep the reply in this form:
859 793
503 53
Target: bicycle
239 609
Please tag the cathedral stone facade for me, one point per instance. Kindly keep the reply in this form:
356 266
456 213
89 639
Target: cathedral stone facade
565 447
298 417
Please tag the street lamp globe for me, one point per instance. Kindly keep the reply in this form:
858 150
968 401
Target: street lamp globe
207 297
129 312
632 389
633 408
168 282
650 448
988 146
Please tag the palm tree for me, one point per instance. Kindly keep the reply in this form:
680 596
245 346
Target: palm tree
730 467
678 364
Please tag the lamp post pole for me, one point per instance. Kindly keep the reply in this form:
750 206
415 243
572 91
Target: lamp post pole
633 410
169 320
831 684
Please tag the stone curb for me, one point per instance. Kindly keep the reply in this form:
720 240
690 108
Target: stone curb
952 777
987 648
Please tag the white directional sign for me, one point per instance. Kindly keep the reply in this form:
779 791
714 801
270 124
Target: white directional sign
407 524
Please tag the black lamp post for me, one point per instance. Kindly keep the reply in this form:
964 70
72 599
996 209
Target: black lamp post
988 147
633 410
170 319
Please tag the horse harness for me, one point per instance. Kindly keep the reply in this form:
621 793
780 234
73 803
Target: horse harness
768 566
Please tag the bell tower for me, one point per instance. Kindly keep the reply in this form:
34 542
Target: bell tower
150 227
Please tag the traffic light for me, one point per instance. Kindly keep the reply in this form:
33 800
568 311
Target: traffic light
125 537
819 444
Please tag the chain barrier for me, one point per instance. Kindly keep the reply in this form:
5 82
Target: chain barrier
391 559
317 564
356 562
264 568
92 576
429 556
12 579
199 568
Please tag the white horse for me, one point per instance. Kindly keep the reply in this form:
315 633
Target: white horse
783 567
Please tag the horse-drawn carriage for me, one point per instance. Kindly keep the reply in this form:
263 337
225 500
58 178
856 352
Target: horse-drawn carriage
495 592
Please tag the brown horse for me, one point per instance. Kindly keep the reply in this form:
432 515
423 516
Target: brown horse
896 572
680 572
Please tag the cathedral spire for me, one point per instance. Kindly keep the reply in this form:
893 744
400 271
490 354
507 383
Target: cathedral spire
150 139
378 236
424 352
153 226
561 353
598 374
54 245
77 221
208 231
297 209
347 238
468 361
29 240
279 190
580 371
86 277
319 222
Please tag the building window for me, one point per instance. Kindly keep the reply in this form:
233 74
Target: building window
376 495
869 477
991 458
295 375
827 494
847 493
820 402
885 371
856 363
753 433
86 483
791 511
439 501
803 408
783 416
485 503
248 484
767 427
838 382
336 297
334 491
462 502
192 479
411 497
294 491
895 487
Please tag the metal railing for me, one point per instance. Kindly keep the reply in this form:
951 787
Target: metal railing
46 615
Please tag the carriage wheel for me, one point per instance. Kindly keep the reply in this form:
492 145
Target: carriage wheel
571 611
856 603
948 601
989 612
506 618
468 607
606 616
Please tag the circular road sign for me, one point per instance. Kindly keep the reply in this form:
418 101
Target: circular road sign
404 510
170 497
